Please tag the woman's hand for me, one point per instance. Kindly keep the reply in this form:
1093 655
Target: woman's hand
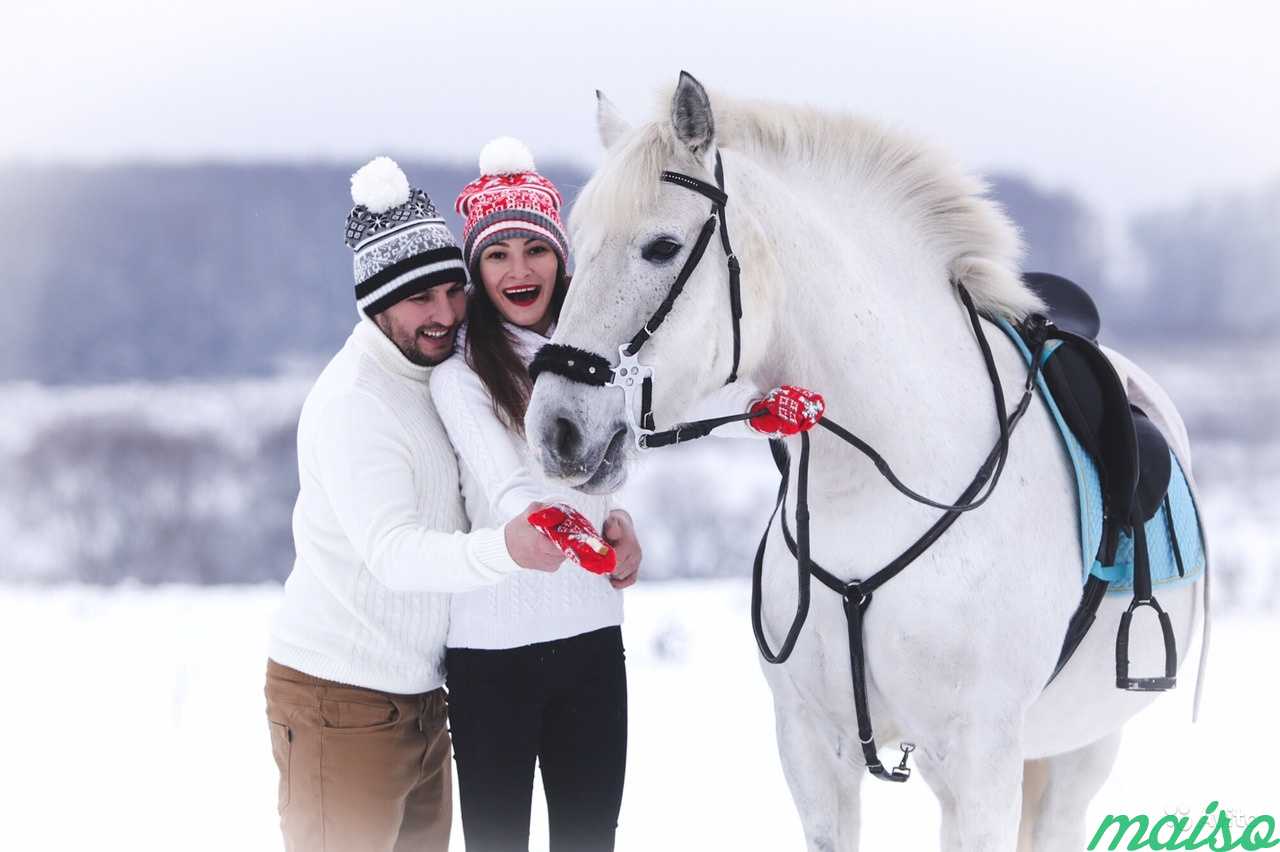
620 532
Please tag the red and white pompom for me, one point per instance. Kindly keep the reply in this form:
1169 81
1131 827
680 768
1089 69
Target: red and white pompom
787 410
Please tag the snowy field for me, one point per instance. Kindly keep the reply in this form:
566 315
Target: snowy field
134 715
133 719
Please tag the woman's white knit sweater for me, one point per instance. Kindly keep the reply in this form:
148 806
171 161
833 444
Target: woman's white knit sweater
379 527
499 480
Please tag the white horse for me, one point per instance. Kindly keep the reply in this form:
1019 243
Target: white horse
849 237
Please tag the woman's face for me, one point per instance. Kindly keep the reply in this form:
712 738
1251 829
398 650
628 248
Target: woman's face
520 275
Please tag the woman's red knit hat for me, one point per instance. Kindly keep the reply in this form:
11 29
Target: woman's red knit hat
509 199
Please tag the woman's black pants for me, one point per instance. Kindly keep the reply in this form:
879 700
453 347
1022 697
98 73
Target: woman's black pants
561 703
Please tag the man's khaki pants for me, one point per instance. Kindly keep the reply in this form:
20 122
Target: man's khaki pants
359 769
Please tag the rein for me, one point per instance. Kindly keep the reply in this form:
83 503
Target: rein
634 378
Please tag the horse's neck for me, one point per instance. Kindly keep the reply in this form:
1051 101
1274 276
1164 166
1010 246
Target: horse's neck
861 313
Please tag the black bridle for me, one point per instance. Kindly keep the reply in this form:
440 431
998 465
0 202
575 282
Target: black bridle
589 368
630 375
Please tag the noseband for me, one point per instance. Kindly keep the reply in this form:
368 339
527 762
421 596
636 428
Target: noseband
630 375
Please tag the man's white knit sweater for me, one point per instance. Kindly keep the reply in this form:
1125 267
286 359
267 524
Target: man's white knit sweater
379 527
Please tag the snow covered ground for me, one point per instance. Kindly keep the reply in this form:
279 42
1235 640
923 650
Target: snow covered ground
132 718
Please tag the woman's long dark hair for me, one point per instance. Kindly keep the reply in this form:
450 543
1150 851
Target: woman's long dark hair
490 350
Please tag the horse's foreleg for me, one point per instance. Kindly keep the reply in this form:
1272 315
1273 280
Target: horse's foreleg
975 768
824 783
1054 820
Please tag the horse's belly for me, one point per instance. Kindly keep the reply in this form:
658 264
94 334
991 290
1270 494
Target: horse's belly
1083 704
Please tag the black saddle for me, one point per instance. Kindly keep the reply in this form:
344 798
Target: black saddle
1130 453
1070 307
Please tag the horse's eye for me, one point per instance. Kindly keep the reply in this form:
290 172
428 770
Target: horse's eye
660 250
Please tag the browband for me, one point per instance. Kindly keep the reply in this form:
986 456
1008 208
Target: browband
710 190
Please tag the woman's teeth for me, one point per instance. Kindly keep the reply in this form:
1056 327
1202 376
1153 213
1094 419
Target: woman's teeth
522 295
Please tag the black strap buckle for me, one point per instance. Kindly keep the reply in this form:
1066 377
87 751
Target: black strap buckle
1146 684
900 773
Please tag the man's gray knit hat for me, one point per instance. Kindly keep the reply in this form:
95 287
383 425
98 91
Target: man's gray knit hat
402 244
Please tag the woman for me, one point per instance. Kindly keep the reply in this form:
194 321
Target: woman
535 665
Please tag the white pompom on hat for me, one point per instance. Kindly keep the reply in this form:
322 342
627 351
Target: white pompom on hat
506 155
379 185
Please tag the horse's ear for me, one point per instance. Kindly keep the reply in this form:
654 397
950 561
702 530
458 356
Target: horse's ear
691 116
609 121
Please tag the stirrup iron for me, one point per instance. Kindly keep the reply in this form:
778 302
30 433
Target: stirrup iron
1146 684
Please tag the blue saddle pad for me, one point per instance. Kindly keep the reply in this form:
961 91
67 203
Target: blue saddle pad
1175 548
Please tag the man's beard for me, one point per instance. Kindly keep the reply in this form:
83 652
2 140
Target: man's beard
407 342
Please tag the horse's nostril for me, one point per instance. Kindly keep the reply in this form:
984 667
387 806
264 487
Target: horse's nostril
566 439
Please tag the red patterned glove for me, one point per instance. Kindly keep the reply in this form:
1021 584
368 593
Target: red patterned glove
788 410
576 538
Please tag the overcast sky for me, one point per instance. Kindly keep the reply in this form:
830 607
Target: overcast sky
1131 104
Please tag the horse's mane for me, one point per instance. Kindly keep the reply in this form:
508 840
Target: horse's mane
981 245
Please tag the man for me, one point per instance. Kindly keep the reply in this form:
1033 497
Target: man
355 668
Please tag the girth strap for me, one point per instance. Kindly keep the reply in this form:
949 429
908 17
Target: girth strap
1095 588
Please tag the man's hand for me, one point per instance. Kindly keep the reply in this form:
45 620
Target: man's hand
620 532
528 547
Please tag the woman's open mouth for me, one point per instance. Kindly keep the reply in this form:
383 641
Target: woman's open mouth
522 296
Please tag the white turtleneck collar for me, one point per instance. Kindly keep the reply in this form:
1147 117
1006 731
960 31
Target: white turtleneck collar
527 341
374 342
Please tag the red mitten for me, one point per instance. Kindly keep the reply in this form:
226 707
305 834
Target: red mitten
576 538
788 410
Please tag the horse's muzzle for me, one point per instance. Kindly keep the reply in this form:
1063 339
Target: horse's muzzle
577 434
593 467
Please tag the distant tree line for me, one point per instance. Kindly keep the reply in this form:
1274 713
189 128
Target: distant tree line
155 272
103 488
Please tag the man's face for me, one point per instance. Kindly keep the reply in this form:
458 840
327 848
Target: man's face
424 326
